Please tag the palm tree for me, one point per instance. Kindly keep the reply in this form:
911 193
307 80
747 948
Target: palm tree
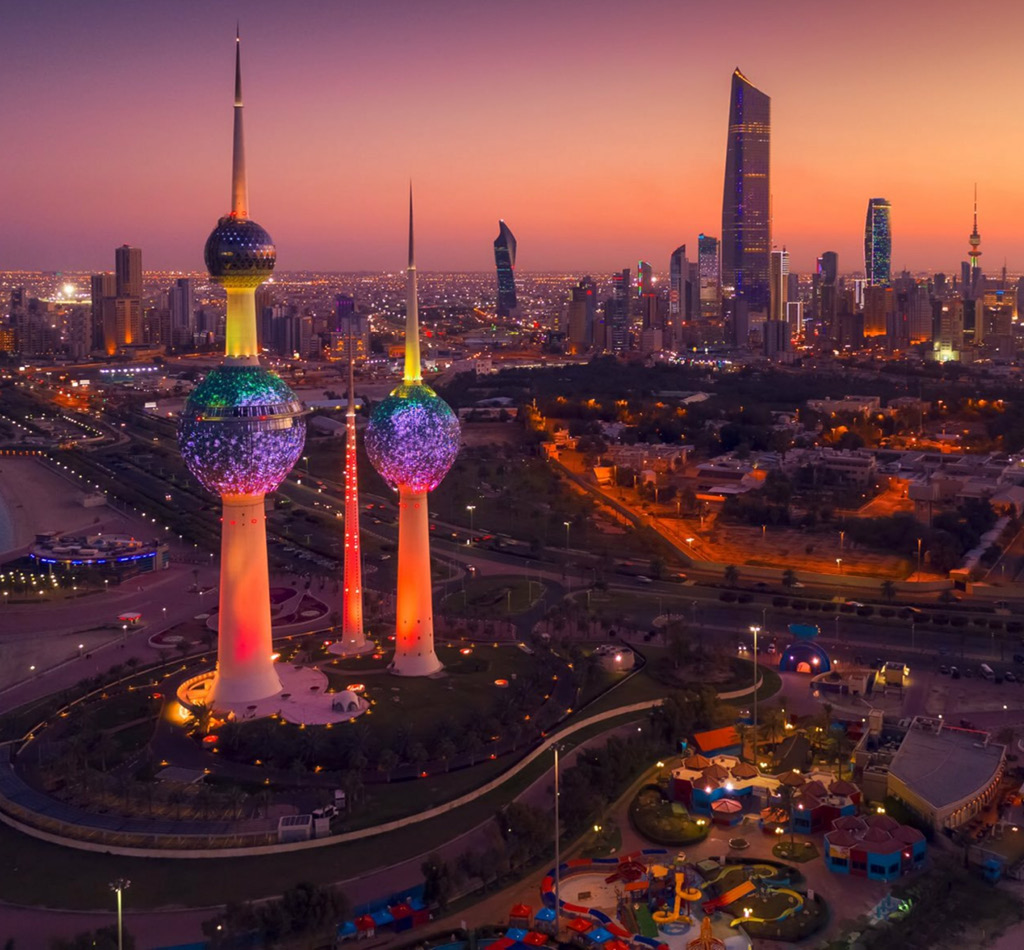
387 761
888 590
731 575
789 577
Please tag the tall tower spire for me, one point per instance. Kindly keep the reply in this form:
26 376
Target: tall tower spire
239 188
353 639
413 372
975 239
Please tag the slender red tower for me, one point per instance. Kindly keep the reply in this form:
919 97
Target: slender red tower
412 440
353 639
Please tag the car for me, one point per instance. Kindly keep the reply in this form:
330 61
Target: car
761 585
854 603
799 585
1010 676
968 672
944 670
643 579
1018 657
954 672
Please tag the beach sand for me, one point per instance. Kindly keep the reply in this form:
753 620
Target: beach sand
38 500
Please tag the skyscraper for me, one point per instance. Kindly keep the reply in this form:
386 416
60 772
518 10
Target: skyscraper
678 269
878 243
412 440
240 434
182 304
505 260
644 278
618 313
709 264
128 271
746 212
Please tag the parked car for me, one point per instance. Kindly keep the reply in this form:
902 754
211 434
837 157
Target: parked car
944 670
1010 676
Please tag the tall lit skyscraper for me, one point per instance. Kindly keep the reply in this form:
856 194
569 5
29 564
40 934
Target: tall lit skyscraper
618 313
644 278
746 211
505 260
240 433
678 269
128 271
412 440
709 263
878 243
779 284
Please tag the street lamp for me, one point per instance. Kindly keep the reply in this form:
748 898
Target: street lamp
558 859
842 538
119 887
689 541
470 509
919 559
755 630
566 523
839 564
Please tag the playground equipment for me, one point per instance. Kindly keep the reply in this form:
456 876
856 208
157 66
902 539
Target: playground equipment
733 894
683 893
706 940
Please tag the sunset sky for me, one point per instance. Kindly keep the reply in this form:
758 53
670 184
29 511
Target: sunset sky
596 129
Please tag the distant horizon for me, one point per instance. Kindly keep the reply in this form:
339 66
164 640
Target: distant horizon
121 130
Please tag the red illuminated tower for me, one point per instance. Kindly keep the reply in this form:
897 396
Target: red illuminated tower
353 639
412 440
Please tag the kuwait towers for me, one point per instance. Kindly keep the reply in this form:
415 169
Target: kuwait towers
353 639
240 433
412 440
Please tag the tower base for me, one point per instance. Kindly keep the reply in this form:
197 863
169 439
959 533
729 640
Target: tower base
414 608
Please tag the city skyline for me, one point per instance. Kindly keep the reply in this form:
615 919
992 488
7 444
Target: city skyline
331 182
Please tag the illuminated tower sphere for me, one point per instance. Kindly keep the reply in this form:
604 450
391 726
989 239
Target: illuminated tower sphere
412 440
240 433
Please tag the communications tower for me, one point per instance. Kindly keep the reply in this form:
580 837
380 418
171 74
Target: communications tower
412 440
240 433
975 239
353 639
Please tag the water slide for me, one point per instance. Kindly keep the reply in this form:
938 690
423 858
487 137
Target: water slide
683 893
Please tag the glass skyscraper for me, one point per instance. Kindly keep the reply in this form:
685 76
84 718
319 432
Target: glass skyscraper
746 212
878 243
505 260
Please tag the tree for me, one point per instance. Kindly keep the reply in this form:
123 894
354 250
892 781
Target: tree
888 590
789 577
731 575
387 762
437 881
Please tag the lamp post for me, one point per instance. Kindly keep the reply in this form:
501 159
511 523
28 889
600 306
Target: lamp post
470 509
119 887
566 523
842 539
755 630
919 559
558 859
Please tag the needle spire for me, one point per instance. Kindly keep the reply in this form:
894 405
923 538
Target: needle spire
239 188
413 374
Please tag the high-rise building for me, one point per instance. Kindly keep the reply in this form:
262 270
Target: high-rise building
618 313
746 212
240 433
709 262
349 331
412 440
181 301
644 278
878 243
128 271
505 261
678 269
779 284
582 312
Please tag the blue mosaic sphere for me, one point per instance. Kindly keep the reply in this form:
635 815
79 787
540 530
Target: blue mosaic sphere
239 248
241 431
413 438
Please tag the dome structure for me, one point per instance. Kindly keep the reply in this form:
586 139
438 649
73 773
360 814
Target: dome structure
238 251
413 437
241 431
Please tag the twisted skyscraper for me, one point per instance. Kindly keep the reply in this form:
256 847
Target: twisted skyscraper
878 243
505 261
412 440
746 201
241 432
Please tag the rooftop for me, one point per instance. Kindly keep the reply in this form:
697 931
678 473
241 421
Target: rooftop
945 765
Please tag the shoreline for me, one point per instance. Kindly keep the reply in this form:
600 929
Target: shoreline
36 499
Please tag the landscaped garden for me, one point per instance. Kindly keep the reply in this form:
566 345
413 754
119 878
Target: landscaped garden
664 822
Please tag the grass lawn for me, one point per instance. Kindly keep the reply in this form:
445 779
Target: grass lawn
159 882
492 597
801 851
663 822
